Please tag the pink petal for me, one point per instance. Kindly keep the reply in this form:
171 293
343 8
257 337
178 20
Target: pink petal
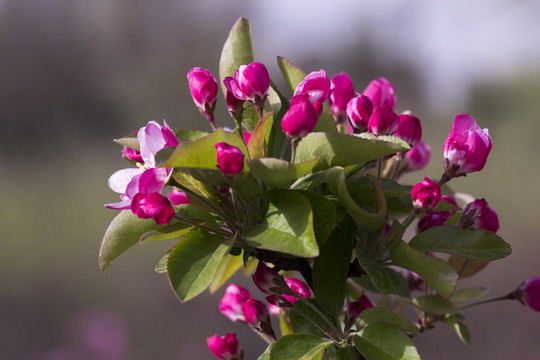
119 181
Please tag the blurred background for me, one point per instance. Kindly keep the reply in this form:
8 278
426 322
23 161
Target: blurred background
74 74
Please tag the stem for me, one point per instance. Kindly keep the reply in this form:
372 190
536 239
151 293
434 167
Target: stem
379 169
268 339
194 223
235 204
397 165
510 296
294 144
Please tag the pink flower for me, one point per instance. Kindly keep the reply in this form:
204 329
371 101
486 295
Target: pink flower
341 92
409 129
359 110
234 104
354 309
178 197
231 303
203 87
256 315
268 280
152 205
251 83
467 147
383 121
300 119
230 159
426 194
225 347
431 219
381 92
415 281
529 293
317 85
247 136
418 157
132 154
299 287
478 215
153 138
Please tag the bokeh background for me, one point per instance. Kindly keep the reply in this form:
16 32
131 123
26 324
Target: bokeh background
74 74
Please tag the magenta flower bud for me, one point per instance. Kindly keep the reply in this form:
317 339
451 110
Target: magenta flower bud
300 119
247 136
431 219
529 293
359 110
153 205
354 309
341 92
178 197
415 281
418 157
409 129
230 159
426 194
256 315
231 303
381 92
268 280
383 121
478 215
467 147
251 83
203 87
234 105
132 154
316 84
299 287
225 347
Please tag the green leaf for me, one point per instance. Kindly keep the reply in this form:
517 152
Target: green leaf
324 215
193 262
199 188
284 325
292 74
161 266
468 294
466 267
278 173
272 103
473 244
200 153
173 231
260 136
385 342
334 149
130 141
365 220
246 186
298 347
373 316
326 122
331 267
446 206
266 354
124 231
385 280
441 276
228 267
300 324
237 50
434 304
288 226
460 329
398 285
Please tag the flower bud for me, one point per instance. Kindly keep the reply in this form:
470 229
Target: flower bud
153 205
359 110
381 92
316 84
231 303
178 197
268 280
234 105
299 287
247 136
230 159
203 87
300 119
256 315
251 83
467 147
409 129
383 121
132 154
426 194
431 219
529 293
354 309
478 215
414 281
418 157
225 347
341 92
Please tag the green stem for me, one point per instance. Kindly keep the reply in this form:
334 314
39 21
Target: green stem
510 296
194 223
397 165
379 169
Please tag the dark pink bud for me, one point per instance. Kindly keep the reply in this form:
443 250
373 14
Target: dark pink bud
355 308
381 92
478 215
341 92
359 110
426 194
256 314
252 83
300 119
230 159
409 129
415 281
316 85
234 104
132 154
153 205
430 220
231 303
225 347
383 121
178 197
299 287
418 157
529 293
268 280
467 147
247 136
203 87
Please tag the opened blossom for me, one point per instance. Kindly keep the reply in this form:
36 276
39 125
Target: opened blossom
231 303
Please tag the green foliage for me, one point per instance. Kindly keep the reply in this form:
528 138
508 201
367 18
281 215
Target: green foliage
299 347
383 341
373 316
